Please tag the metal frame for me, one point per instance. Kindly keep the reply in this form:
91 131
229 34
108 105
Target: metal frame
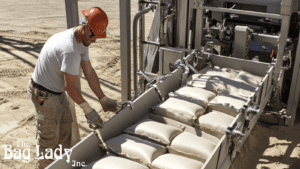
181 29
72 13
242 12
287 8
220 158
294 90
72 21
164 56
140 108
141 40
125 46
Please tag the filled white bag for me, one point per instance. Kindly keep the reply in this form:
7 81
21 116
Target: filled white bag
180 110
173 161
249 78
134 148
154 131
214 123
227 103
110 161
191 146
184 127
224 72
195 95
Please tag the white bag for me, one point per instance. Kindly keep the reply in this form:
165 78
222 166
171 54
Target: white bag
249 78
136 149
221 85
155 131
173 161
110 161
213 83
191 146
184 127
180 110
227 103
195 95
214 123
224 72
241 88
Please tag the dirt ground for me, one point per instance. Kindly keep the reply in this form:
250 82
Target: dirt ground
25 25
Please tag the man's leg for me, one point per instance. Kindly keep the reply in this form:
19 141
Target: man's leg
47 116
65 130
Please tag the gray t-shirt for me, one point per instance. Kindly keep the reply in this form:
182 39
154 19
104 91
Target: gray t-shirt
60 54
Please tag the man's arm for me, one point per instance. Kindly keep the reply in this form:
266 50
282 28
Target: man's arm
70 86
93 118
92 78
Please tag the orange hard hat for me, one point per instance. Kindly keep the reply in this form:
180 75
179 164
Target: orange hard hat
97 20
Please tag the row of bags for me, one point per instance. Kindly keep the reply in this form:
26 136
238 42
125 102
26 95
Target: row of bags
186 128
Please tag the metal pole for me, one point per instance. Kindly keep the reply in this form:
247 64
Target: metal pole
181 28
134 44
142 38
125 46
199 29
72 13
294 90
285 15
72 21
242 12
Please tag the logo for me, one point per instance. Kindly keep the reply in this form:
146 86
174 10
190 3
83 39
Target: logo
22 152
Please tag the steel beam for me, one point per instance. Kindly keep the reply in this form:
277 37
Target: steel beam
141 37
294 90
181 28
242 12
199 29
285 24
72 13
141 45
72 21
125 46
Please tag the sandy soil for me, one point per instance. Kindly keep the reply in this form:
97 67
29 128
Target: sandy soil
25 25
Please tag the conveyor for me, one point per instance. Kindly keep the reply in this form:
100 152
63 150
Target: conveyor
200 83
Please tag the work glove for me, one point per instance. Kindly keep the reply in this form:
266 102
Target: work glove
109 104
93 118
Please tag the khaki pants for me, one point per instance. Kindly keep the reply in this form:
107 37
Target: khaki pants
53 124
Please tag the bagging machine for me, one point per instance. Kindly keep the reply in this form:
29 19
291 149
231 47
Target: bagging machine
201 79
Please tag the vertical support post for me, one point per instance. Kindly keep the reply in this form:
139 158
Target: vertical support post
285 24
141 46
199 29
72 21
285 14
72 13
125 46
294 90
141 37
181 28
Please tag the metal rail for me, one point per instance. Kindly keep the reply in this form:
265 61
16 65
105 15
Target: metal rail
135 20
242 12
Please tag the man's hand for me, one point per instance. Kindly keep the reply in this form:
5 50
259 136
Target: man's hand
108 104
94 120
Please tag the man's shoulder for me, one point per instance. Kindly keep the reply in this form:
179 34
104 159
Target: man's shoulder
64 41
64 36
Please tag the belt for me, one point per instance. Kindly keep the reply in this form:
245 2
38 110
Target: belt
42 88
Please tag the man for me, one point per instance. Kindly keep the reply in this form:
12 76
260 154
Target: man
56 71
